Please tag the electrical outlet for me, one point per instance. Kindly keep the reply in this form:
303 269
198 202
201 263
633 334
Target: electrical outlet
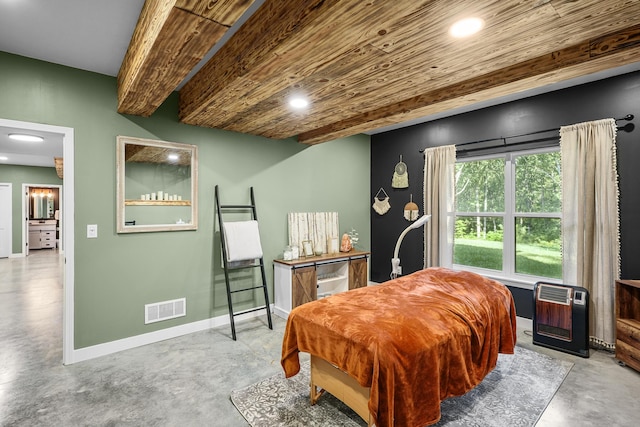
92 231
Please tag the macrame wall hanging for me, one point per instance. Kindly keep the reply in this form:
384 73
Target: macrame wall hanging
400 175
381 206
411 210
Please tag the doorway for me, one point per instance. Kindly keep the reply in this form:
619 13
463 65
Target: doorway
67 221
6 234
42 213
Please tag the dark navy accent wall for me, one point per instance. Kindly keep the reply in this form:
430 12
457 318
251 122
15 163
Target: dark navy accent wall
614 97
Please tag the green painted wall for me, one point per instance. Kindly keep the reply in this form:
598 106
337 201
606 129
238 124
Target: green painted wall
115 275
18 175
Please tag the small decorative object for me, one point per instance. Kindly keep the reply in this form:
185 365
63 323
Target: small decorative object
332 245
318 249
287 253
345 244
411 210
295 252
353 236
400 175
308 249
160 195
381 206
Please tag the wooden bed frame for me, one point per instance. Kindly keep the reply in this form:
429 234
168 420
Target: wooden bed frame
341 385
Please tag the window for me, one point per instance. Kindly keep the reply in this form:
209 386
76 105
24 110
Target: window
508 212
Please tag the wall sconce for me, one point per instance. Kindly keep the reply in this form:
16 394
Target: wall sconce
396 269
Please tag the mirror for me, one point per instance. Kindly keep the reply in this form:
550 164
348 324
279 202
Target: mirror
43 203
157 185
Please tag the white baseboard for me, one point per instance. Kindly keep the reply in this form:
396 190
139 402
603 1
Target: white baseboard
111 347
99 350
280 312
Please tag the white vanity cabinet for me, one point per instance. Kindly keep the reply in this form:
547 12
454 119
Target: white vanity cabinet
42 234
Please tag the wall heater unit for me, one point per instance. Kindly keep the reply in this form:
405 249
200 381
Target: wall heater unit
561 318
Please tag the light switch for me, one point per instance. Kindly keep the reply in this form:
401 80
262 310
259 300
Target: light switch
92 231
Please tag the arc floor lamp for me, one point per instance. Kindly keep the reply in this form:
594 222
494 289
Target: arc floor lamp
396 269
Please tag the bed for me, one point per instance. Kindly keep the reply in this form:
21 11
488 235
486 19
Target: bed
393 352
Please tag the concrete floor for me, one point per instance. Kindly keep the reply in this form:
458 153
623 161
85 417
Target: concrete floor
186 381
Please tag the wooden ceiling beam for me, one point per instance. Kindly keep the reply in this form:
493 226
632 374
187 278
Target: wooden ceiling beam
249 49
597 54
170 39
224 12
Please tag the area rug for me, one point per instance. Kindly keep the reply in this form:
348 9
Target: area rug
515 393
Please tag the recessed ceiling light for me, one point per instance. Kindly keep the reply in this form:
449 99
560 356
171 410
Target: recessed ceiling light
466 27
3 158
298 102
25 138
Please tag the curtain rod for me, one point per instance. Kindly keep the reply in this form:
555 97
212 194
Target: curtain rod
628 117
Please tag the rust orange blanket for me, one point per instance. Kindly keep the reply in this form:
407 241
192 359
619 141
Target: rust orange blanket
414 341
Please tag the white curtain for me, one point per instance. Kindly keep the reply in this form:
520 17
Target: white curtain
590 225
439 172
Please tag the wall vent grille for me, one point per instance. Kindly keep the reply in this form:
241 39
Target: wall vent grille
554 294
165 310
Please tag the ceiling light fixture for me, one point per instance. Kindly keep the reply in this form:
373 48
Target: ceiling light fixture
3 158
466 27
25 138
298 102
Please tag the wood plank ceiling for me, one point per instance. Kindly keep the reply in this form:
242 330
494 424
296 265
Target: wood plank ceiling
363 64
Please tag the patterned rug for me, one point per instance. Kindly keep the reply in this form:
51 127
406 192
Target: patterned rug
515 393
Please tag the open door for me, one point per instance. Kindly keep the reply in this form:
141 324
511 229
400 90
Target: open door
25 218
5 220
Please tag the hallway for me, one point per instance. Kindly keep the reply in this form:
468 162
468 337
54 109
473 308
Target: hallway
30 315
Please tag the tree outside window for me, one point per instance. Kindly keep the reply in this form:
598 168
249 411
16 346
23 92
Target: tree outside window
508 214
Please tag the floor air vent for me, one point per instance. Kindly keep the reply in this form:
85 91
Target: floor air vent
165 310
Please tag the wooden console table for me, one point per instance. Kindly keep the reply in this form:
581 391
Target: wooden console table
306 279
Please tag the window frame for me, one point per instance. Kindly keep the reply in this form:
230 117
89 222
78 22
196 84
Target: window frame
508 273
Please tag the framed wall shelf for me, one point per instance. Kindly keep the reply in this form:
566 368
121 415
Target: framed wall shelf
157 203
